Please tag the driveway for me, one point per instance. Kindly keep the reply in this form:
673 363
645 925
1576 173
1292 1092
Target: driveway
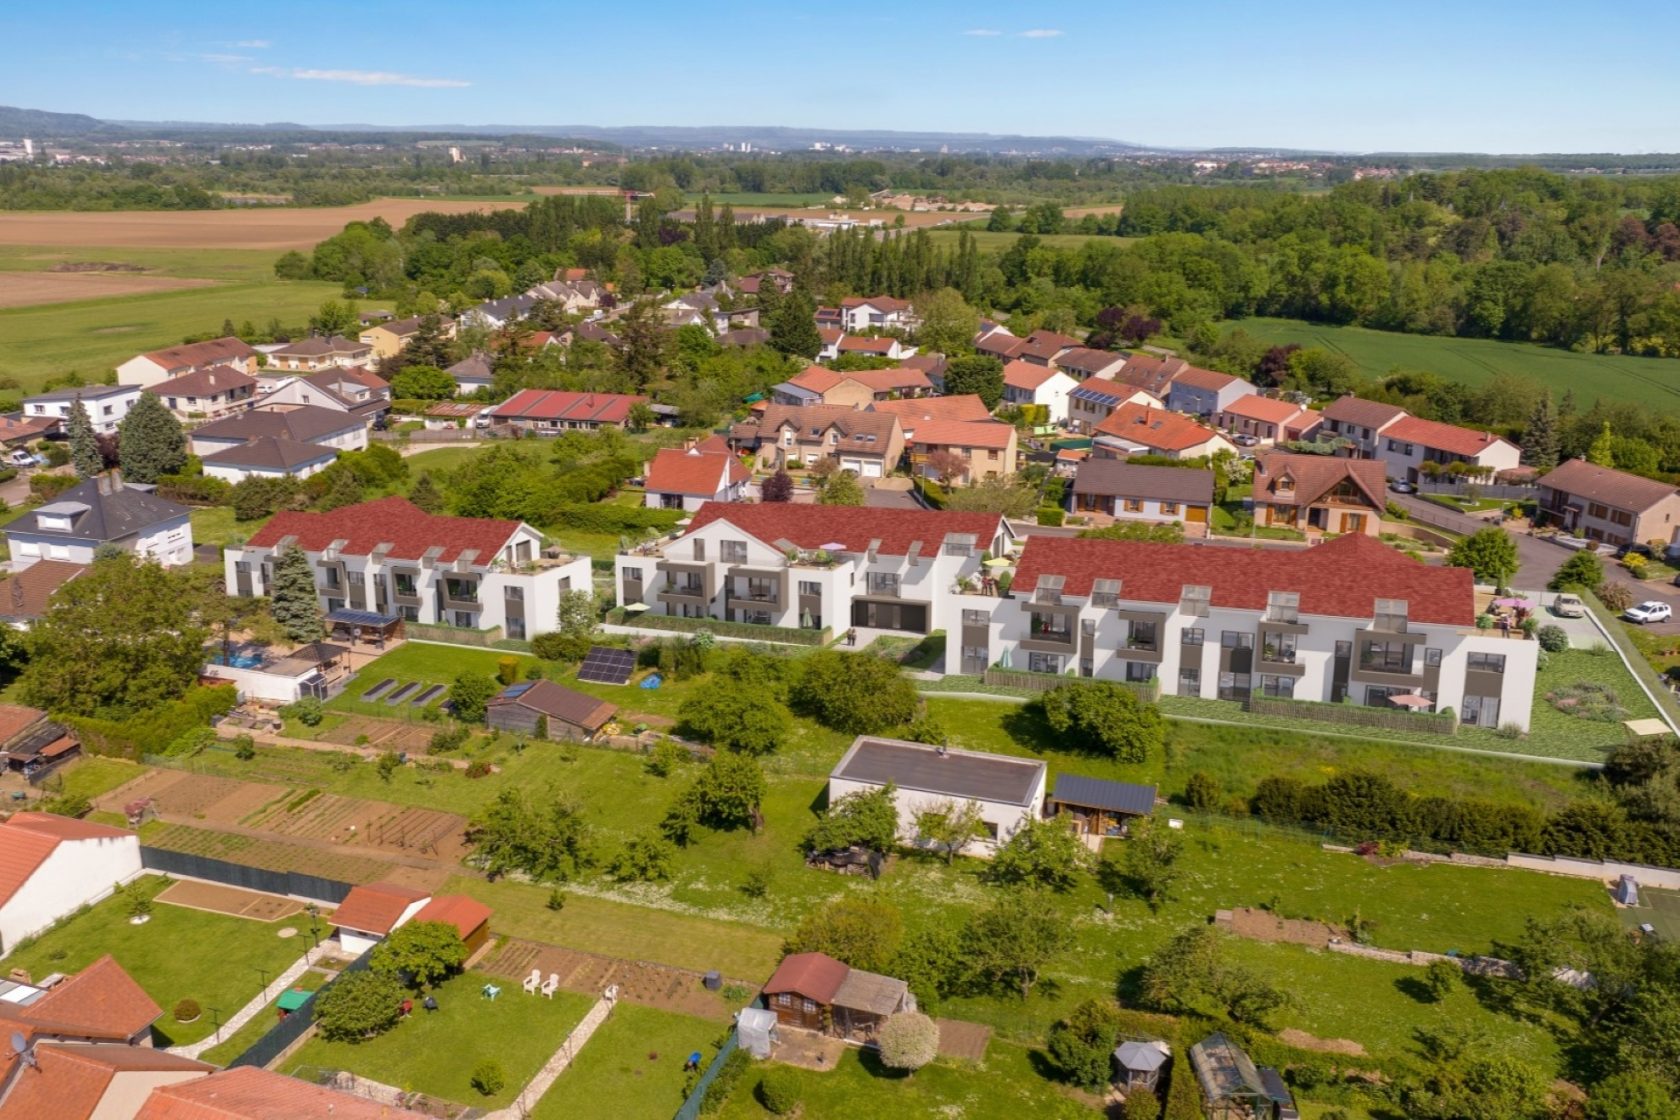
1538 557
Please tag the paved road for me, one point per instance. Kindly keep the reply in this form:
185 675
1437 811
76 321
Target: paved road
1539 557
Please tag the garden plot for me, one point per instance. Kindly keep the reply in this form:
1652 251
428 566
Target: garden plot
384 734
655 985
333 819
204 797
274 855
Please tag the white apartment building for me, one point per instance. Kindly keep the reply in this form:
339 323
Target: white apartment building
1350 620
392 559
811 566
106 404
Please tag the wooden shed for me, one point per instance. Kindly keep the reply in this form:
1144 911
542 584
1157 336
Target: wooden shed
470 917
1097 807
815 992
545 710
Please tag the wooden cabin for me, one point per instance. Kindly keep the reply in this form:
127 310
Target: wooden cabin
545 710
1099 808
815 992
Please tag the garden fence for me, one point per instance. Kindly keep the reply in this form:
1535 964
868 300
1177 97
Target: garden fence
690 1109
1440 723
288 1030
1148 691
1478 489
193 866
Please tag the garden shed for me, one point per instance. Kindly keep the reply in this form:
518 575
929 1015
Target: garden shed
1138 1063
1231 1086
470 917
1097 807
815 992
545 710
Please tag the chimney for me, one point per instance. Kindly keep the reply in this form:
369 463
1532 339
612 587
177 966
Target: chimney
116 479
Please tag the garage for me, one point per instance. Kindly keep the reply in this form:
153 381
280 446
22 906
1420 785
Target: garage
871 468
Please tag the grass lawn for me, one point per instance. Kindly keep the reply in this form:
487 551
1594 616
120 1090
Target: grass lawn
1648 382
171 956
635 1060
246 1037
93 775
435 1052
440 459
216 525
93 336
1557 731
230 265
1006 1086
754 198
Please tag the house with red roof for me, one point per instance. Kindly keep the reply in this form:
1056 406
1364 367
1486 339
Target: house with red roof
1135 429
372 911
866 442
815 567
1411 441
815 992
1359 423
876 313
1602 504
987 448
469 917
1204 392
1026 383
1319 493
551 411
1266 420
1347 621
379 564
154 366
250 1093
686 478
92 1081
52 866
869 346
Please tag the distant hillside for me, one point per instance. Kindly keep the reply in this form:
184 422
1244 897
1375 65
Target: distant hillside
36 122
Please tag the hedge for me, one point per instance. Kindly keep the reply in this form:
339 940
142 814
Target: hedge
1443 723
453 635
154 730
789 635
1026 681
612 519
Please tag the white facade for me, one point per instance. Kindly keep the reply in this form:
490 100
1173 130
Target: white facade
295 390
230 472
357 942
169 542
866 316
106 405
140 370
1403 459
76 873
1052 392
731 492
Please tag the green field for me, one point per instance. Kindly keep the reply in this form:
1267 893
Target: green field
1649 382
92 336
635 1060
229 265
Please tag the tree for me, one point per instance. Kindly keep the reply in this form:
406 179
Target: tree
855 931
488 1077
429 345
1105 716
425 494
84 445
908 1041
854 693
1149 865
643 344
949 466
644 859
334 318
641 417
425 383
576 623
843 489
1011 941
1145 1105
1190 972
1441 977
793 324
422 954
121 638
867 819
736 718
947 322
979 374
1011 497
1041 853
1540 436
1490 553
294 602
150 441
469 694
725 795
1082 1044
1631 1096
777 488
545 839
1600 452
948 826
343 489
359 1005
1583 569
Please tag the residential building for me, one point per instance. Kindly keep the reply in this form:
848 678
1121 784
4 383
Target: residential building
91 1081
1348 620
876 313
963 406
101 1004
274 442
1091 402
814 566
996 341
1135 492
252 1093
989 448
687 478
27 592
1153 373
932 364
391 558
867 443
351 390
872 346
172 361
497 313
472 373
106 405
1134 429
1205 392
1607 505
1045 348
1082 363
551 411
1267 419
371 912
314 353
545 710
815 992
387 339
851 389
20 431
30 742
1410 442
206 394
780 279
269 457
590 331
1008 791
102 511
573 296
743 338
1321 493
52 866
1360 422
1027 384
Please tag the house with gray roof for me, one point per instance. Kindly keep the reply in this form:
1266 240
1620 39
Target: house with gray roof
98 512
274 442
1137 492
472 373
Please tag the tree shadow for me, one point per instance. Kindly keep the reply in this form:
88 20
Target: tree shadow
1415 989
871 1062
1026 725
1128 986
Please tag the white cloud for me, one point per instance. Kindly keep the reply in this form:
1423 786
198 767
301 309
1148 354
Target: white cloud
225 59
361 77
1043 33
253 44
983 33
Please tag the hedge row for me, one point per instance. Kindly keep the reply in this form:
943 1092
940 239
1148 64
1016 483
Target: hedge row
788 635
1442 723
152 731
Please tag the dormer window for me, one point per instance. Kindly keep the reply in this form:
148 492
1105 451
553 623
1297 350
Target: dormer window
1195 600
1285 484
1049 589
1390 615
1105 593
1283 606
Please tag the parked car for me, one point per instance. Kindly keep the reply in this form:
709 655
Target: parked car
1651 611
1402 487
1246 440
22 458
1569 606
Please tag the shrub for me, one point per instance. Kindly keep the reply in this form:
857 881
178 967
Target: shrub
507 669
449 739
908 1041
1104 716
667 756
1552 639
1440 978
1082 1044
187 1010
778 1091
488 1078
555 646
1051 515
308 711
478 768
723 1085
855 693
1582 569
359 1005
1202 791
245 748
1616 596
1143 1104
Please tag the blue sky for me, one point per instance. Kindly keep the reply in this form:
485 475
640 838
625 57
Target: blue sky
1482 75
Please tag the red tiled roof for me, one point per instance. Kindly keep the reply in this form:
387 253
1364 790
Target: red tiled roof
1147 371
1155 428
813 526
398 522
205 383
830 334
1198 378
1000 343
959 433
375 907
554 404
862 345
214 351
22 853
1602 484
1047 344
1315 475
70 1080
1450 438
65 828
249 1093
100 1001
815 976
1342 578
704 473
1268 410
891 380
465 914
15 717
818 379
1022 374
13 430
1364 413
879 303
967 406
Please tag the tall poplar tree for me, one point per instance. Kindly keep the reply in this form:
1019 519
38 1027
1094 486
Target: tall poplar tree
84 445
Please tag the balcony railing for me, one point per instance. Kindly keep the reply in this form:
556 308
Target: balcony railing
1278 655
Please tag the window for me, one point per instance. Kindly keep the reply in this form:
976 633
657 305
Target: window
1169 508
1049 589
1194 636
1386 657
1376 695
810 1007
1044 663
1189 682
1105 592
1143 636
1139 671
1432 658
1195 599
58 552
517 593
1234 686
629 574
1390 615
1277 686
1480 711
1283 606
1279 648
1088 627
1486 663
1344 651
516 627
1053 627
1236 639
1132 505
700 550
734 552
331 576
1085 669
976 618
883 583
810 587
974 659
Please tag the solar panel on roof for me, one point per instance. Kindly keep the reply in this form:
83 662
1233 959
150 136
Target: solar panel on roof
513 690
606 665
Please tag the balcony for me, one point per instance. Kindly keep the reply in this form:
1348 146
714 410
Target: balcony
761 599
1045 638
683 591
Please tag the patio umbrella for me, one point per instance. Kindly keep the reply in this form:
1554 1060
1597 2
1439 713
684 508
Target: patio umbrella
998 562
636 607
684 520
1410 700
805 618
833 546
1003 659
1512 601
